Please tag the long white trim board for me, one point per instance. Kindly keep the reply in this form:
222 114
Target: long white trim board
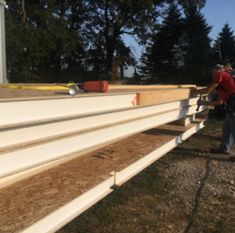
21 112
33 133
27 158
63 215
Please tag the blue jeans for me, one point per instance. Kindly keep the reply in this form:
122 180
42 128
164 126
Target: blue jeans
228 133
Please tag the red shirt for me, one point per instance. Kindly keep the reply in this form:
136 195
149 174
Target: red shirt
221 94
226 84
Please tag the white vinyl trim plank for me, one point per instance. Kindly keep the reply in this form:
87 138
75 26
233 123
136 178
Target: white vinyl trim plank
17 136
127 173
21 112
71 210
17 161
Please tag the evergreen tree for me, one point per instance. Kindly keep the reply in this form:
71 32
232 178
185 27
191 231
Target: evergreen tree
162 58
224 46
196 47
45 38
187 4
124 56
147 67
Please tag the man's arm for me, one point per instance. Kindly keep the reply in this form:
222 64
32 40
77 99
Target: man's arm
208 89
210 103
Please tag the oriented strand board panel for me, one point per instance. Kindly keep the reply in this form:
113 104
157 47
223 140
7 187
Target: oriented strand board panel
147 87
27 201
30 200
163 96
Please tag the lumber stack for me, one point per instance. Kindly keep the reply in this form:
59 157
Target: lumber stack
56 144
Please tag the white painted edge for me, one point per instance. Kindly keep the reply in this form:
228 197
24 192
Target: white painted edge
71 210
17 161
23 112
15 115
28 135
48 98
184 121
15 177
3 3
127 173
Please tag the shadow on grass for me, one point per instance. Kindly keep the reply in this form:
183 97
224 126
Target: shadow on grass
188 153
149 182
197 198
209 137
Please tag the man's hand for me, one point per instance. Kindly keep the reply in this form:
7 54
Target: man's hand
208 89
202 102
193 91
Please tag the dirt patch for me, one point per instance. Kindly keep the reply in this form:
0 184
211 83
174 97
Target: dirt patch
189 190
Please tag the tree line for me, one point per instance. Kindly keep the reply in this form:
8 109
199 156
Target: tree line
79 40
181 51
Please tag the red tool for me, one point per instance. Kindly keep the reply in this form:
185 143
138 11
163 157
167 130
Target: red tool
95 86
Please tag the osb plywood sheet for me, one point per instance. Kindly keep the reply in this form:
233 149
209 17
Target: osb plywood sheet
15 93
27 201
149 87
7 93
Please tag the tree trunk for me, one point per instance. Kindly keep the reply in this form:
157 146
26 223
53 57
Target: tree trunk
24 16
109 59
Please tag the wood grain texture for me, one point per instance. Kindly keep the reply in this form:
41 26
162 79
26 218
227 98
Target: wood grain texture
163 96
31 199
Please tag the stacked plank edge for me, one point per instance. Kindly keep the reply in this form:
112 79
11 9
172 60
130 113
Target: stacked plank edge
59 156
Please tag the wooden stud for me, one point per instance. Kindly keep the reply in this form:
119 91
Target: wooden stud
163 96
185 120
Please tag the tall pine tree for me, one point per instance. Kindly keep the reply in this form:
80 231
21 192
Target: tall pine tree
162 57
196 47
224 46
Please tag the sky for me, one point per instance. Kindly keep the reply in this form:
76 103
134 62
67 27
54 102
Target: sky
216 12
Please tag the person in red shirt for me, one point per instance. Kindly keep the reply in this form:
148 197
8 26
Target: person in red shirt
227 67
224 85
